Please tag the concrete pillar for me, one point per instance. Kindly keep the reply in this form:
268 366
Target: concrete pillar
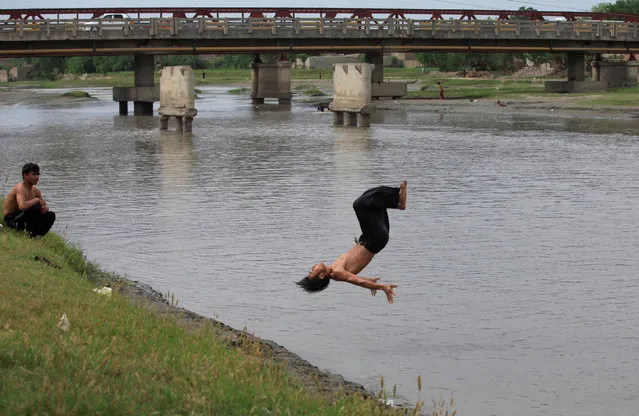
596 72
144 67
338 118
364 120
351 119
188 124
255 80
177 97
124 108
164 122
377 59
576 66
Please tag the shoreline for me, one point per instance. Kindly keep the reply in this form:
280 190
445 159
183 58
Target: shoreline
311 377
555 106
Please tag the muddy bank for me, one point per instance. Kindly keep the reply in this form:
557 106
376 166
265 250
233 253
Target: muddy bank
311 377
25 96
544 107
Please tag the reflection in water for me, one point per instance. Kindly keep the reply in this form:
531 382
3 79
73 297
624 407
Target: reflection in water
516 258
178 162
353 154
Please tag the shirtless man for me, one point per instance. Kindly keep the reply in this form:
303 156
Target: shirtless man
25 208
370 209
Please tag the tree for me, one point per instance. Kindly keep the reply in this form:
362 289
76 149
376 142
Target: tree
79 65
104 64
620 6
194 61
46 68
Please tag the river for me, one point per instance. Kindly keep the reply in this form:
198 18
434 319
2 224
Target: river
516 257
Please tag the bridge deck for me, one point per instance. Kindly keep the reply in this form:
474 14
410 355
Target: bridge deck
262 35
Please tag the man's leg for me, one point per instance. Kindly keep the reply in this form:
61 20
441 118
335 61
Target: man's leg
37 223
370 209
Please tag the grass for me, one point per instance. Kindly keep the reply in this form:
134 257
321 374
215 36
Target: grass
239 91
119 358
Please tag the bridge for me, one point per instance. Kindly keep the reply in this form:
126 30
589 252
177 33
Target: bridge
144 32
75 32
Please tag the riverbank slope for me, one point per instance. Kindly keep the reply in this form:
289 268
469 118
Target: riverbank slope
136 351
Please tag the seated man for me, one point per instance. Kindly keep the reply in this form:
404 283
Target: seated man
370 209
24 208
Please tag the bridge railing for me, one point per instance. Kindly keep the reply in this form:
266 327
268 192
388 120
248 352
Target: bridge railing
315 27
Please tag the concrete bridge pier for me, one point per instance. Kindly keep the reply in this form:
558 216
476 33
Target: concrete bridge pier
576 77
576 67
144 67
177 97
271 81
352 95
338 118
376 59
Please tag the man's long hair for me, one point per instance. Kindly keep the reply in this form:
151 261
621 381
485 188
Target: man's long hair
314 285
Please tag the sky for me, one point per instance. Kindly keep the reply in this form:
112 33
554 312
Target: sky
548 5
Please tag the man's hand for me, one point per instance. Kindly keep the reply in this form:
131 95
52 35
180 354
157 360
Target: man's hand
390 292
374 280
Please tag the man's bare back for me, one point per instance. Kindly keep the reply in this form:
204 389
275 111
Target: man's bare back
371 211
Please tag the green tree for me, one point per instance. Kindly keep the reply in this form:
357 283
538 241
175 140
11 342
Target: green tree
104 64
46 68
620 6
194 61
79 65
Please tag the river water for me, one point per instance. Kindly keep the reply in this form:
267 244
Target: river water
516 258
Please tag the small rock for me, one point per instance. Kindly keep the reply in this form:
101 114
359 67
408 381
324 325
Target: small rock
64 323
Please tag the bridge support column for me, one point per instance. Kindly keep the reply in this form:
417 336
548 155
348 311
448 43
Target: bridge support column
576 66
144 66
576 77
364 120
351 95
377 59
351 119
177 97
271 81
124 108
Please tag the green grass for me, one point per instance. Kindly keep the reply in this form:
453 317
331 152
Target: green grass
119 358
238 91
615 96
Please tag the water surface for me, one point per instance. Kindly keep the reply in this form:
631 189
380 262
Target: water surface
516 258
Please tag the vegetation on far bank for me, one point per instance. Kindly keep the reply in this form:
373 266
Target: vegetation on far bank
119 358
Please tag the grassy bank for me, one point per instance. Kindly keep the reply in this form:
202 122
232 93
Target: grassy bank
119 358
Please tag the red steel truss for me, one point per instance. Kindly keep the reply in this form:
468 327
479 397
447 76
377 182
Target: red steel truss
327 13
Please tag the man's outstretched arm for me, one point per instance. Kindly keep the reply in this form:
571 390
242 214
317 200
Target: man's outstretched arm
368 283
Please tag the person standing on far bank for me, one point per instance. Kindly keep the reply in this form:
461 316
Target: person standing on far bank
25 208
441 90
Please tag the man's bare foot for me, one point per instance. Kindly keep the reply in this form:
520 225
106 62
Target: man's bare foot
402 196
